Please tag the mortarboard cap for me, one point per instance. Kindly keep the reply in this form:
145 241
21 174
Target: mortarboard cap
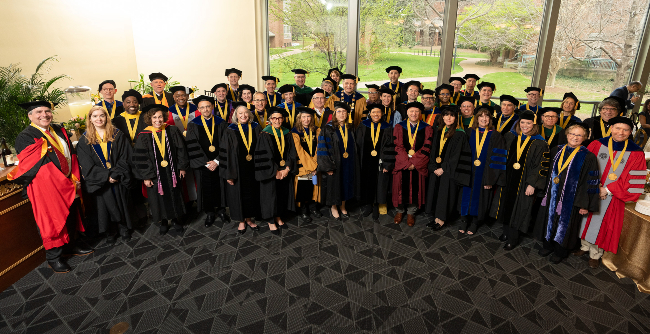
233 70
415 105
461 80
339 104
572 96
396 68
510 99
181 88
471 76
203 98
134 93
305 110
300 71
29 106
286 89
219 85
486 84
372 86
107 82
158 75
270 77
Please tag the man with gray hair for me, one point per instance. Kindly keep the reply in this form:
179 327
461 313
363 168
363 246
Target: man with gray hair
600 126
628 93
49 173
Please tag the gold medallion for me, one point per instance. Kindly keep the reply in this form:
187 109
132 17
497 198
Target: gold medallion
438 159
164 163
250 157
477 163
373 153
184 133
282 163
556 180
613 177
345 155
212 148
411 152
516 165
108 164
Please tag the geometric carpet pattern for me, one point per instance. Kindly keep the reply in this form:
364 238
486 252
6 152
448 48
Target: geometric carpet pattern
324 277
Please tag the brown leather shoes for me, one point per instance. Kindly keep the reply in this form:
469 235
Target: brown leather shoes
593 263
410 220
579 253
398 217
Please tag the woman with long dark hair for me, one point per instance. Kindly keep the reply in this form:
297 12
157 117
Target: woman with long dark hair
305 139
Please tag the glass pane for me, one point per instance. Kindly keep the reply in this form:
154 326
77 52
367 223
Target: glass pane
595 46
307 34
498 39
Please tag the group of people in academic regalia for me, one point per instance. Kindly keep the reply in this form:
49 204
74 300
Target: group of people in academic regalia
255 156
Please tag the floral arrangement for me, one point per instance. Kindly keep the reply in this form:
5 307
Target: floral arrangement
75 124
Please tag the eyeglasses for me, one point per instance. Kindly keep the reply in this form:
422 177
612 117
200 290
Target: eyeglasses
427 98
444 94
608 109
550 116
275 118
258 100
317 98
575 135
205 108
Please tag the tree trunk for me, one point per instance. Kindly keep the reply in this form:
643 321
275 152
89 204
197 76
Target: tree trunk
553 68
494 55
367 36
629 47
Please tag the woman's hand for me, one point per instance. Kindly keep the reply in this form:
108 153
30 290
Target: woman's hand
487 187
583 212
148 183
385 170
438 171
530 190
603 193
330 172
111 180
411 167
231 182
182 172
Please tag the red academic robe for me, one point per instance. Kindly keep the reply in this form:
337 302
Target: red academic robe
402 162
627 187
49 190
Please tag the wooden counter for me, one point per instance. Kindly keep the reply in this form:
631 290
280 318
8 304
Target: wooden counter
18 234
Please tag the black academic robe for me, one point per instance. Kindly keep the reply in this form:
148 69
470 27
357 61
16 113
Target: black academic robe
475 199
165 197
345 179
120 122
442 191
558 138
374 182
559 218
595 131
106 203
506 124
276 196
148 99
325 118
209 187
224 110
511 206
271 100
242 198
233 94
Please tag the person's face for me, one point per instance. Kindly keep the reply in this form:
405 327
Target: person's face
634 89
233 79
336 75
608 112
375 115
98 118
243 116
568 105
341 115
483 120
41 116
457 85
288 97
270 85
507 108
393 76
276 120
533 97
467 109
470 83
412 92
621 132
526 126
108 91
485 93
576 136
449 120
300 79
319 100
206 109
221 94
247 96
327 86
373 95
157 119
158 86
386 99
549 119
349 86
259 101
413 114
180 97
305 120
444 96
131 105
428 101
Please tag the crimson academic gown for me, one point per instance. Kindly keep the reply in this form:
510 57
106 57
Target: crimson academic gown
409 186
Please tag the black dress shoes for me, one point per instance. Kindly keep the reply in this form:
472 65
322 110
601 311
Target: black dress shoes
438 227
305 217
164 228
545 252
503 238
209 219
316 213
59 266
223 217
345 216
509 246
111 240
78 250
555 259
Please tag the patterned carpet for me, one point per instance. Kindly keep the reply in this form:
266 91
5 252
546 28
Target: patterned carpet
324 277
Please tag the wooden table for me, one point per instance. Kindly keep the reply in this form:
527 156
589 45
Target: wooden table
633 256
20 244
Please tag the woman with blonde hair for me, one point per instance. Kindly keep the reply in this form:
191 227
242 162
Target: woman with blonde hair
570 104
103 153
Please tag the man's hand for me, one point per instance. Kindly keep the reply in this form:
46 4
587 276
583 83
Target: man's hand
583 212
148 183
182 172
111 180
530 190
385 170
487 187
635 98
231 182
603 193
330 172
411 167
212 165
438 171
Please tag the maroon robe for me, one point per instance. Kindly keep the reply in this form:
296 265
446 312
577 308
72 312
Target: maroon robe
402 162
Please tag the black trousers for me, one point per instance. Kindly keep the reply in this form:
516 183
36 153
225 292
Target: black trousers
512 233
71 224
